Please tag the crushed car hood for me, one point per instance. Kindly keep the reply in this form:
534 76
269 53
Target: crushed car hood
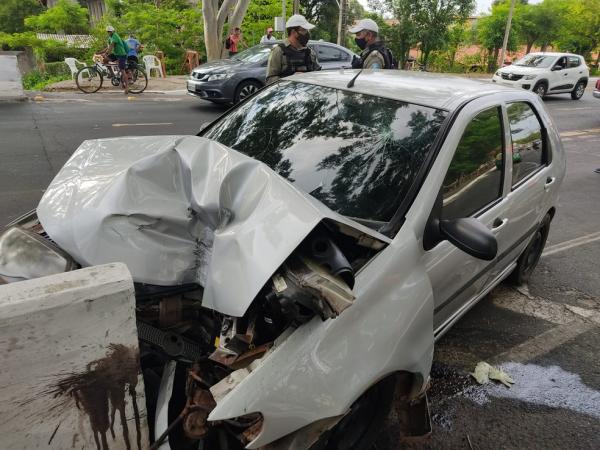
182 209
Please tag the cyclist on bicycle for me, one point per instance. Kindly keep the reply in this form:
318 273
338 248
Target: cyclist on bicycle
134 47
116 51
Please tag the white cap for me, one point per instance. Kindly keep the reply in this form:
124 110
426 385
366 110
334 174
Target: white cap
298 21
365 24
110 28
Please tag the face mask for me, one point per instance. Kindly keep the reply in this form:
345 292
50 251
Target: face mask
303 38
362 43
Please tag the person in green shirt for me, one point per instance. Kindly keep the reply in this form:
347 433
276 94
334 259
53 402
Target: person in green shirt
116 51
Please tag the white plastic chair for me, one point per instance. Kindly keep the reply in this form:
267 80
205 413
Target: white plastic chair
152 62
72 63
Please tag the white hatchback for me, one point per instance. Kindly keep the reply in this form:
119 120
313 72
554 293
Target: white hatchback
547 73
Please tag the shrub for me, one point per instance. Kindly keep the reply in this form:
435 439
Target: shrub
36 80
57 69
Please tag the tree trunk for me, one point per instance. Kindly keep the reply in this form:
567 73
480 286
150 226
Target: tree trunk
214 20
529 45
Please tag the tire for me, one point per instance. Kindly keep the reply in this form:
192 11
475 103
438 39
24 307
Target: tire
245 89
359 429
578 90
138 81
532 253
540 89
89 80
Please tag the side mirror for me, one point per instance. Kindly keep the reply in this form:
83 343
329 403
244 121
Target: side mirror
557 67
467 234
470 236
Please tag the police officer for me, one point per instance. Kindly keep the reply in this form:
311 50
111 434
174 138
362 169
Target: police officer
374 54
292 55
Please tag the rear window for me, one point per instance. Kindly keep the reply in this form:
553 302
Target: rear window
358 154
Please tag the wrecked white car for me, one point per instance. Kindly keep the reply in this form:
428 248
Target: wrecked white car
292 265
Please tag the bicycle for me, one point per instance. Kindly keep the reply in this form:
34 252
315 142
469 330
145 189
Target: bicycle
89 79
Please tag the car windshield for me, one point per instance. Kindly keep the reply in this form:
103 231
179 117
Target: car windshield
535 61
257 53
358 154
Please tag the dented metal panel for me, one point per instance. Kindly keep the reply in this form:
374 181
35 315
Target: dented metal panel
182 210
70 367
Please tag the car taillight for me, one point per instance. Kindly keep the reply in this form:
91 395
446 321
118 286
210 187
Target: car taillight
598 85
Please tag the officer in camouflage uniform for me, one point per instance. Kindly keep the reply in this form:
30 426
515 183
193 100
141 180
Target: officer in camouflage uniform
374 54
292 55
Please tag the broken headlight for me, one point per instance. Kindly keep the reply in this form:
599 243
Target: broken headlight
25 255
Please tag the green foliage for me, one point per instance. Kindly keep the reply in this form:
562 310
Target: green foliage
14 12
57 69
580 30
260 16
36 80
172 28
44 50
65 17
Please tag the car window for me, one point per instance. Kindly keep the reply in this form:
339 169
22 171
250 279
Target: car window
326 53
533 60
574 61
561 62
527 142
358 154
474 178
254 54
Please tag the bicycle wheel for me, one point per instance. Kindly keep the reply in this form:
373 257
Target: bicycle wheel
89 79
138 80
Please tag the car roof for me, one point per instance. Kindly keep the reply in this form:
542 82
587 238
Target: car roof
429 89
553 54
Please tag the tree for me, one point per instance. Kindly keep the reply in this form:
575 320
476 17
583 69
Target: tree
539 24
65 17
490 30
14 12
433 19
580 30
215 16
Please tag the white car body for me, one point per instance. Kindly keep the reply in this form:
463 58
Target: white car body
414 287
556 79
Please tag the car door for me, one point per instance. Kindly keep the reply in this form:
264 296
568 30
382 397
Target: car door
559 76
529 181
472 186
333 57
575 69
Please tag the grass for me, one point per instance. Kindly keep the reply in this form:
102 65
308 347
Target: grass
36 80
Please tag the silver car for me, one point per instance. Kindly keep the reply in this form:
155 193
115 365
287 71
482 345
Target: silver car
234 79
284 272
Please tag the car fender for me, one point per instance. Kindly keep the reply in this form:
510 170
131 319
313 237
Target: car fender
324 366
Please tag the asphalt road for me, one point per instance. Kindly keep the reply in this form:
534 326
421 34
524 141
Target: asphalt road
545 336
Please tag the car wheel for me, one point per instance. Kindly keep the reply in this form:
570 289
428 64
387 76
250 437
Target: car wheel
532 253
245 89
359 429
540 89
577 93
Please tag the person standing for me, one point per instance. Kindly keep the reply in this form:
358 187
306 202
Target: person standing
234 41
374 54
116 51
292 55
268 37
134 47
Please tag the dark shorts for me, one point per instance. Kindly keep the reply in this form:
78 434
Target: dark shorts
121 59
132 58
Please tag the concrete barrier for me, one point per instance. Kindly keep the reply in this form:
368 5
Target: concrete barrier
70 374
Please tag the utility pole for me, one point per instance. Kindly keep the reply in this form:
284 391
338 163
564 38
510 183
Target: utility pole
283 2
507 32
296 6
341 22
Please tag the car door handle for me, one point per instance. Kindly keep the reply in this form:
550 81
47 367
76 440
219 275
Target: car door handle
499 224
549 182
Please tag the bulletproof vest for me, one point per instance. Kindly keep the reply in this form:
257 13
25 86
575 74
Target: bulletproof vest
296 59
388 58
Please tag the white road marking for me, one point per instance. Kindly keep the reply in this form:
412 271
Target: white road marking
141 124
582 240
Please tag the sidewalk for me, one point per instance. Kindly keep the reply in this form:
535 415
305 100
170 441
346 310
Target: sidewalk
11 88
155 85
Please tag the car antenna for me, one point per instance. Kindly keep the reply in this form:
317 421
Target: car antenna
351 82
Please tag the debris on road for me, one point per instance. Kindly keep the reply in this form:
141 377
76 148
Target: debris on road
484 373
